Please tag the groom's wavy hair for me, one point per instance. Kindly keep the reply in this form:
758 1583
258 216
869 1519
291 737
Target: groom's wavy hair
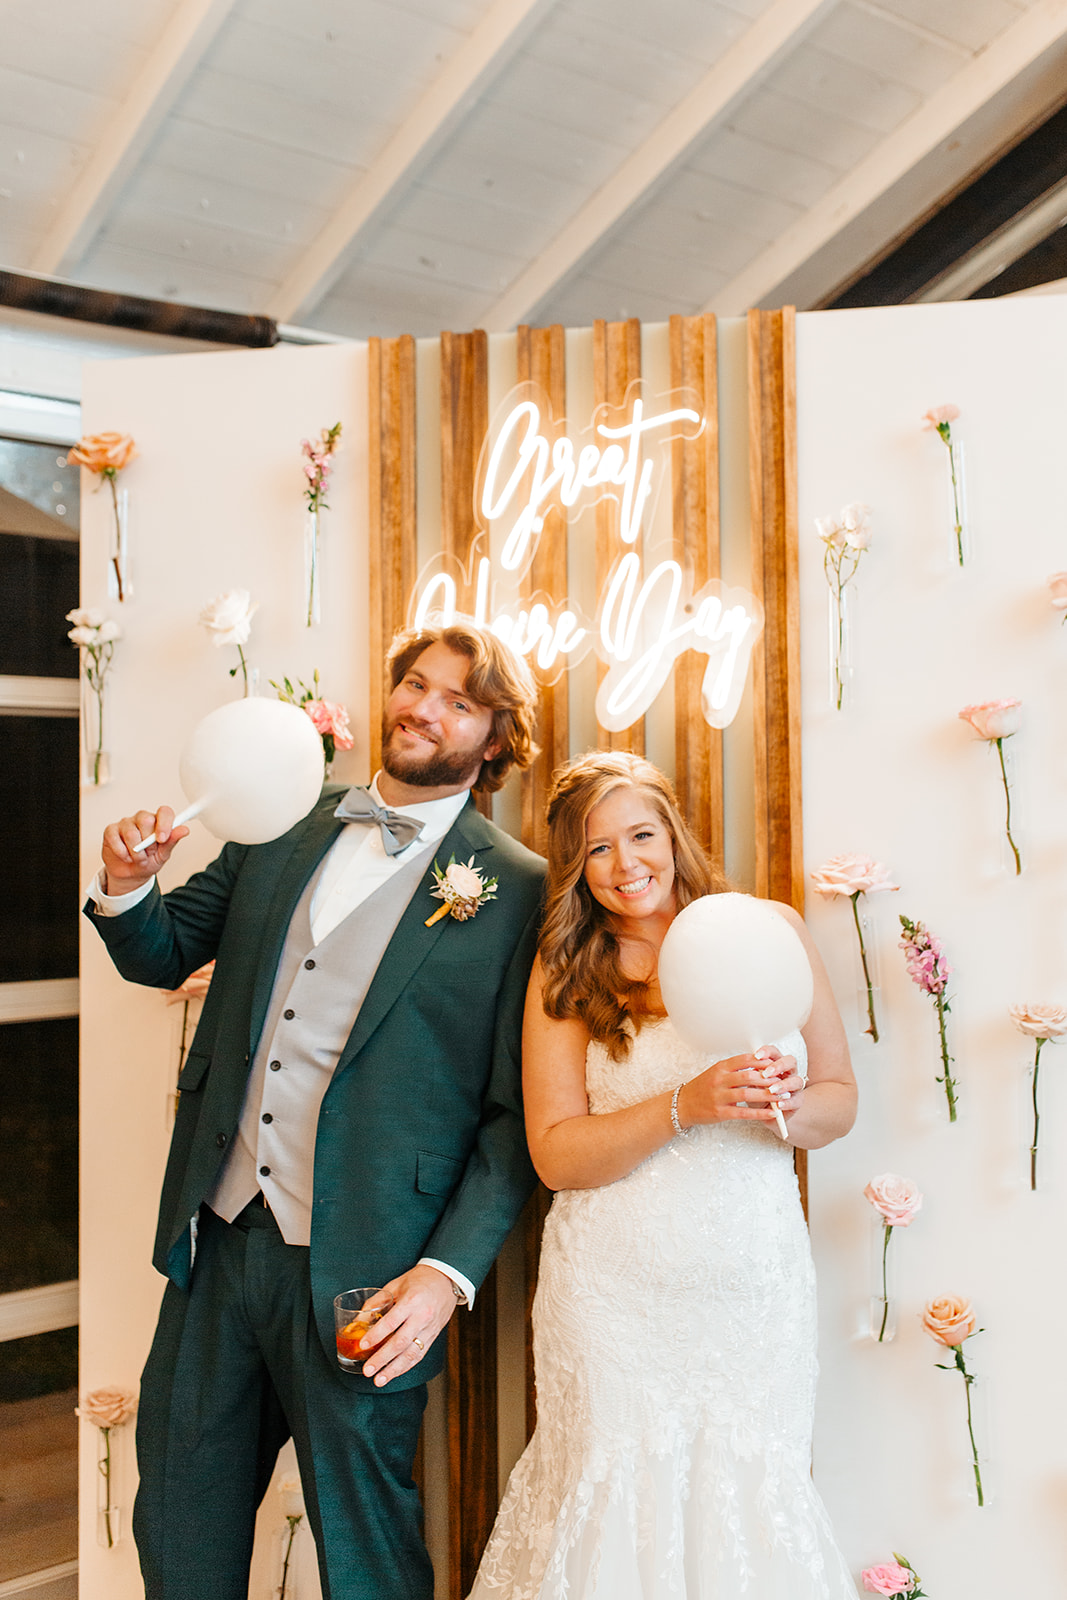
497 678
579 948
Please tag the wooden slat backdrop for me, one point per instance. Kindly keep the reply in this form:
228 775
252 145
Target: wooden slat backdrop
695 487
616 364
391 470
772 405
542 360
472 1359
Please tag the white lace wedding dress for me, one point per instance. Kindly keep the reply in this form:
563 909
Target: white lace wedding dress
674 1342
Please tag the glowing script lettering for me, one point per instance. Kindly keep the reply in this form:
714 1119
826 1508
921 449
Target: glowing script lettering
554 466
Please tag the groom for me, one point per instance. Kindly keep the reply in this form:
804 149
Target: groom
350 1115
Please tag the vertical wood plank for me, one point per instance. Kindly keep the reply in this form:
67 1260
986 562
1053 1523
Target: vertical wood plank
775 580
541 354
472 1358
695 510
391 471
616 364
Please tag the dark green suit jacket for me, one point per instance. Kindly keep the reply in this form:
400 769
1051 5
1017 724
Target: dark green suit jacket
420 1148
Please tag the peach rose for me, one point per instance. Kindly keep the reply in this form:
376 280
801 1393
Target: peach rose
195 986
851 874
994 719
103 452
108 1408
1040 1022
465 882
896 1198
291 1495
949 1319
1057 588
888 1579
937 416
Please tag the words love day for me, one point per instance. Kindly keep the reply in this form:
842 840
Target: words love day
644 620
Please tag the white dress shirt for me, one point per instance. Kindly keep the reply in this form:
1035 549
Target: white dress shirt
356 865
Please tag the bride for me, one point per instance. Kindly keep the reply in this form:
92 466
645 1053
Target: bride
674 1323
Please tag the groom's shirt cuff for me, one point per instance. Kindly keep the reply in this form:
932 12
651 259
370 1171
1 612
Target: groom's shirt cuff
113 905
464 1285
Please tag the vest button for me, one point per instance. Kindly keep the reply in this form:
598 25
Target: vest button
275 1066
264 1172
267 1117
309 965
289 1015
220 1140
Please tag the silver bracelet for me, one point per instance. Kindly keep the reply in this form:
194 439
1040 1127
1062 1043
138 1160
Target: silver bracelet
683 1133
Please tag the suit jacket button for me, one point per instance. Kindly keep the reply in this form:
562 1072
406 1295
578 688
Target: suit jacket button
220 1140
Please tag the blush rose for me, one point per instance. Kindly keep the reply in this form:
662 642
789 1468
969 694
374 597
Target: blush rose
890 1578
897 1199
994 719
949 1319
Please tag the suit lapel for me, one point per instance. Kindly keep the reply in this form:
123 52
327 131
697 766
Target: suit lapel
320 830
413 940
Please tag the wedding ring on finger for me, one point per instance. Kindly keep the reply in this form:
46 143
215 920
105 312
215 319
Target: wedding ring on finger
419 1342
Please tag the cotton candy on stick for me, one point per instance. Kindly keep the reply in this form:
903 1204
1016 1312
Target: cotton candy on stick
734 975
250 770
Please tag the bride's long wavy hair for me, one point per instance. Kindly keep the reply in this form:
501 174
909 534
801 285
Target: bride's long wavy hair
579 948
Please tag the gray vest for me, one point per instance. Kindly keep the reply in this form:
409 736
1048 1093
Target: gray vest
317 993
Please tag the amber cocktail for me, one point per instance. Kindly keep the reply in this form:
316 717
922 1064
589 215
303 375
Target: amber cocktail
353 1321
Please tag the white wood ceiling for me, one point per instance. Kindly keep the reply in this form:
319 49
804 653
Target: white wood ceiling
387 166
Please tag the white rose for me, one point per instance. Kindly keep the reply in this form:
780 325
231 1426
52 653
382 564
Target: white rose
84 636
1040 1022
228 618
108 631
465 881
86 617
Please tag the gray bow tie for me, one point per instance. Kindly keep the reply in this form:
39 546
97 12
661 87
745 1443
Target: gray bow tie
359 805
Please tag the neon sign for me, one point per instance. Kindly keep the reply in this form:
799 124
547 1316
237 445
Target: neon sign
644 622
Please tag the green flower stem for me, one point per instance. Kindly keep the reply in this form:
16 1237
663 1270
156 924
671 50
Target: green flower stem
968 1379
105 1472
243 667
293 1522
888 1229
313 563
872 1028
116 560
946 1059
1037 1117
1007 801
945 431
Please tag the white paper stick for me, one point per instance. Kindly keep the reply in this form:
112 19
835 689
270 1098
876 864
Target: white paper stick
183 816
779 1119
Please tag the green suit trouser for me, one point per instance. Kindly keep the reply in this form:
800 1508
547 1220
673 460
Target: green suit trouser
236 1367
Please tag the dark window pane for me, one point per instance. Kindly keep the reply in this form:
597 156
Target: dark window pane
38 1153
38 586
39 847
43 1363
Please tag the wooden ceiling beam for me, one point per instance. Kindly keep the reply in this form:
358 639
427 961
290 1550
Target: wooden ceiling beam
156 86
722 88
501 32
1019 48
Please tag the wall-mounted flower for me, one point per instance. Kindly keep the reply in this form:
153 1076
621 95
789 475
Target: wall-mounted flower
106 454
291 1495
329 716
897 1201
1056 583
228 619
845 537
107 1409
851 876
929 970
896 1579
940 420
1042 1024
995 721
317 464
949 1320
95 636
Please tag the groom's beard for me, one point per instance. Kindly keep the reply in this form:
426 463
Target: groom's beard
441 767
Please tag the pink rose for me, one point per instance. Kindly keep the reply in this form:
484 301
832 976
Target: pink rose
896 1198
1040 1022
331 719
937 416
1057 588
851 874
949 1319
888 1579
108 1408
994 719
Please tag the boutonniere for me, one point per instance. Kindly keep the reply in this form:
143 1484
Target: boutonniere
463 890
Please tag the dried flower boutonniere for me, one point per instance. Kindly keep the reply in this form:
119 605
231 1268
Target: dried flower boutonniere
463 890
